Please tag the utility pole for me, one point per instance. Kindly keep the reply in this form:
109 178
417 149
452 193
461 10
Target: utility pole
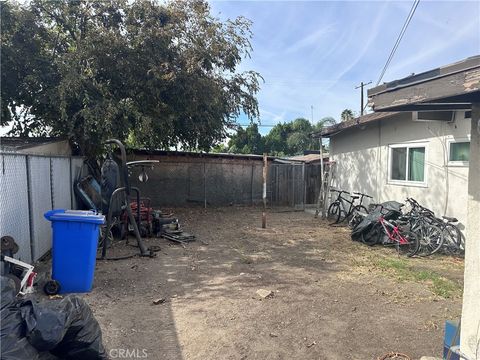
361 95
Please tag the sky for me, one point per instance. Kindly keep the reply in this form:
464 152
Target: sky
314 53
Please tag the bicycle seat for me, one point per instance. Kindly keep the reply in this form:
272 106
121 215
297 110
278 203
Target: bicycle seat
354 197
450 219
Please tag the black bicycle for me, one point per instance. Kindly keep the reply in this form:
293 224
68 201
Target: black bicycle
435 234
342 209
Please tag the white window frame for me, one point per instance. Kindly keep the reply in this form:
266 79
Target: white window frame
453 141
407 182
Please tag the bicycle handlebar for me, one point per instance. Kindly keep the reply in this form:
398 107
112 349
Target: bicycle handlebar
417 206
340 192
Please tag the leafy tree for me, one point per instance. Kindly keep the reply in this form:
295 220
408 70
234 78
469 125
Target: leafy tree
220 148
284 139
247 141
276 139
346 115
299 139
324 122
161 74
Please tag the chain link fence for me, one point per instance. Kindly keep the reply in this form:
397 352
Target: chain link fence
30 185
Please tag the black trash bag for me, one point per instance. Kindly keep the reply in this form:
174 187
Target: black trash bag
66 328
391 210
56 329
14 344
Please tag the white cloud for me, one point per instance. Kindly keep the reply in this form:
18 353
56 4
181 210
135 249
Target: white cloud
311 39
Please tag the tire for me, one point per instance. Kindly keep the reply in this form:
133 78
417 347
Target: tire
333 211
452 240
51 287
430 238
16 280
412 245
355 218
372 236
341 217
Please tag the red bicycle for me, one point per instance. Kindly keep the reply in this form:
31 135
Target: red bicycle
405 241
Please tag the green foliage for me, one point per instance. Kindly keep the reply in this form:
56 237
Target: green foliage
404 271
159 74
284 139
247 141
300 138
346 115
276 139
220 148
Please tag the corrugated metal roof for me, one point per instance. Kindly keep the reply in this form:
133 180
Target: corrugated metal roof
19 143
198 154
331 130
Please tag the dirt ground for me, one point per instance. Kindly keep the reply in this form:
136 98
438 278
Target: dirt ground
332 298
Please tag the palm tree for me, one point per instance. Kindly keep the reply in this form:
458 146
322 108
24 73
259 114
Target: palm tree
346 115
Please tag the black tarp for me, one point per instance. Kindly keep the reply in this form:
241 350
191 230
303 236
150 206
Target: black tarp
389 209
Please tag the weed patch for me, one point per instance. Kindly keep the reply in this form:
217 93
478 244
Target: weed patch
403 270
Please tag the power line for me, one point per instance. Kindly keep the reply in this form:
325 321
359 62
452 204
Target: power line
399 38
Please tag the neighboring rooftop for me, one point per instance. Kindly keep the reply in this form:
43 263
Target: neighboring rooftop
450 87
332 130
36 145
196 154
308 158
20 143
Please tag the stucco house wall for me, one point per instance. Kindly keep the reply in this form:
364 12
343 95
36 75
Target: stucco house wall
362 161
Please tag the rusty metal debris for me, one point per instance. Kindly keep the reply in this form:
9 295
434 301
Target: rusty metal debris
394 355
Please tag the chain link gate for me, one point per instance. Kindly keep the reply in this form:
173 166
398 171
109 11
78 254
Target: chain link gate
30 185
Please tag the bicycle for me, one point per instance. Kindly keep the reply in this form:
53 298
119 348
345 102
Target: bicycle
338 209
422 223
405 241
453 243
447 237
358 215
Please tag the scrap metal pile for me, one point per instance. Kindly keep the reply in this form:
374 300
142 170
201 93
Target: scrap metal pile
126 214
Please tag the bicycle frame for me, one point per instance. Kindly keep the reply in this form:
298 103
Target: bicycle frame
343 201
395 235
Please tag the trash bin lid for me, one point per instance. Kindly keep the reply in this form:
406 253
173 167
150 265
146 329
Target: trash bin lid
87 216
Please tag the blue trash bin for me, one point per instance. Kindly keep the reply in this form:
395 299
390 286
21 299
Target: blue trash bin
74 248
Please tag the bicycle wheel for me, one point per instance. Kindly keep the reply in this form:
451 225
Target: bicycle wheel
333 211
409 244
371 236
430 239
453 240
342 216
357 217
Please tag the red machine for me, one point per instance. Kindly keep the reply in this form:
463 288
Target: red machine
145 225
